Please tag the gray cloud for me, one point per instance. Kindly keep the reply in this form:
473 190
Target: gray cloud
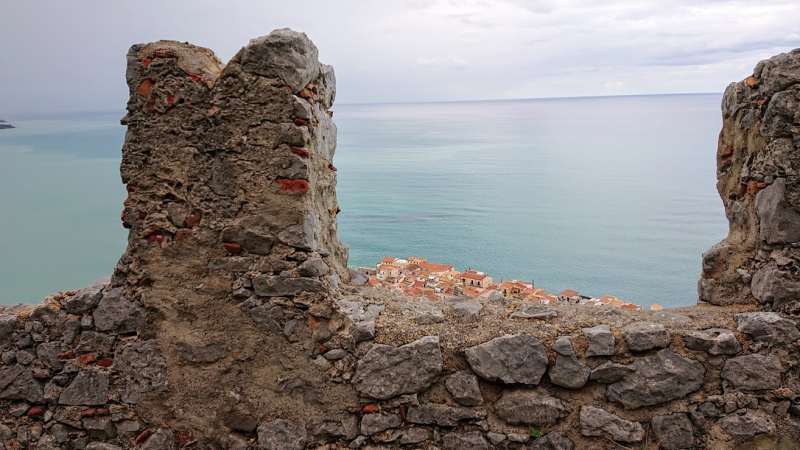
70 55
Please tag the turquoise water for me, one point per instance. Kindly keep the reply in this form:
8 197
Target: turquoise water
603 195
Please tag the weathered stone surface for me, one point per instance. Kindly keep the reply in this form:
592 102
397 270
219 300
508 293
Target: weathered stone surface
17 383
715 341
510 359
568 372
99 427
386 372
779 219
467 312
563 346
357 278
162 439
744 426
344 428
105 446
94 342
203 353
415 435
641 336
284 54
250 240
472 440
48 352
767 327
673 431
657 379
422 313
282 434
88 388
522 407
610 372
552 441
267 318
87 298
446 416
463 386
146 369
753 372
601 341
276 286
666 316
313 267
117 313
8 323
776 286
534 312
303 235
375 423
597 422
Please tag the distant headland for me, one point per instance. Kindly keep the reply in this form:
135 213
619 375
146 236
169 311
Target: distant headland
5 125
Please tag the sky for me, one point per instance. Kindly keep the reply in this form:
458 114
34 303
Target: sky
70 55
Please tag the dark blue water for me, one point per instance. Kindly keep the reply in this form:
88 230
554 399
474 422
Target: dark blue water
602 195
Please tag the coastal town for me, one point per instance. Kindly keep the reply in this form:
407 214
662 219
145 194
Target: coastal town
415 277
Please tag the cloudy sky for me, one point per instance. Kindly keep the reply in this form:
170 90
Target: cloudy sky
70 55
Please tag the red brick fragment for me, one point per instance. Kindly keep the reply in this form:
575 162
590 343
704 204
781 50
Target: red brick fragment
300 151
403 412
742 190
305 94
288 89
150 106
332 167
88 412
142 215
311 87
41 376
752 188
130 188
193 220
170 99
300 122
727 151
299 186
370 409
725 163
195 77
144 88
183 438
189 106
146 61
233 249
154 235
87 359
762 101
322 349
141 437
105 362
165 54
66 355
751 81
103 412
36 412
122 215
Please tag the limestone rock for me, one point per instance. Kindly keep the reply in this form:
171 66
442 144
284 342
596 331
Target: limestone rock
510 359
8 323
99 427
386 372
204 353
103 446
522 407
671 317
282 434
87 298
767 327
715 341
657 379
414 435
143 364
87 389
303 235
251 241
610 372
357 278
552 441
779 219
446 416
563 346
117 313
601 341
313 267
162 439
284 54
423 314
17 383
775 285
753 372
267 318
568 372
375 423
641 336
463 386
535 312
673 431
94 342
472 440
276 286
597 422
467 312
747 425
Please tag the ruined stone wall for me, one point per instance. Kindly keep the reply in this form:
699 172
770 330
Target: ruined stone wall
232 321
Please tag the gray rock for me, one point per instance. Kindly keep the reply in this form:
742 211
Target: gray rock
415 435
767 327
596 422
117 313
276 286
357 310
472 440
346 428
282 434
610 372
284 54
106 446
641 336
778 218
241 422
715 341
25 357
302 236
17 383
162 439
467 312
446 416
601 341
673 431
203 353
657 379
747 425
313 267
522 407
463 386
99 427
775 285
519 438
357 278
8 324
422 313
535 312
671 317
386 372
267 318
251 241
87 389
94 342
510 359
177 214
563 346
753 372
568 372
335 354
363 331
47 442
47 354
357 442
145 367
126 429
375 423
297 169
86 299
552 441
495 438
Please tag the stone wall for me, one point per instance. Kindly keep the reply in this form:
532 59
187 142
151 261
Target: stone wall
232 322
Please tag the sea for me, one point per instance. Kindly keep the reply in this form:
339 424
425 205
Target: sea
603 195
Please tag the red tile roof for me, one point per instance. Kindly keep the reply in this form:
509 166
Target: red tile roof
568 293
388 260
473 275
436 267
